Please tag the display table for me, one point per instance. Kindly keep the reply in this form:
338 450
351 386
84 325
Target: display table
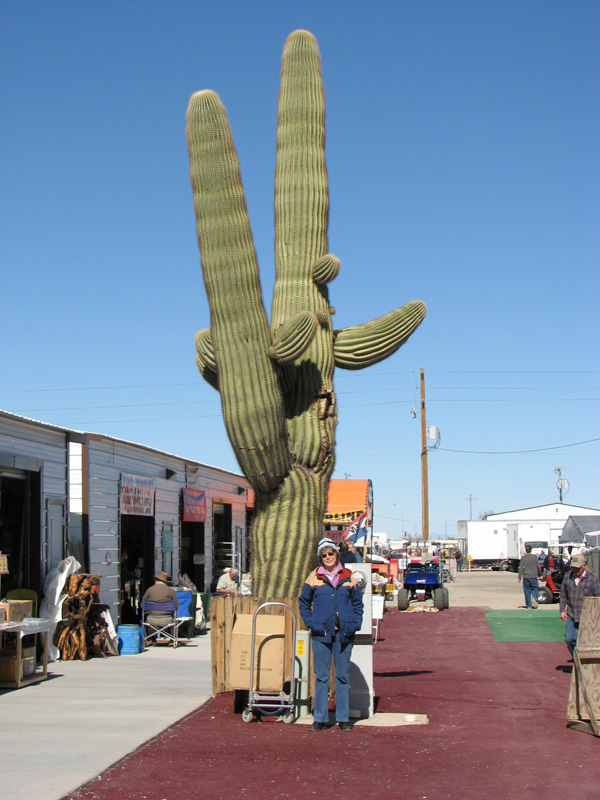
18 665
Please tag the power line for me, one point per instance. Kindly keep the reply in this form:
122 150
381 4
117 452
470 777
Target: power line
341 374
517 452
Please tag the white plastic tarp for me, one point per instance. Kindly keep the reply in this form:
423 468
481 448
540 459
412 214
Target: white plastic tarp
54 594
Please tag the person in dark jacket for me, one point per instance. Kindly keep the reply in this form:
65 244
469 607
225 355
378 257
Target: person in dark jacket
529 572
346 555
331 606
578 583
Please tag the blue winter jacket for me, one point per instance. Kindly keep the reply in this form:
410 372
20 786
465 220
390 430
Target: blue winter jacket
319 603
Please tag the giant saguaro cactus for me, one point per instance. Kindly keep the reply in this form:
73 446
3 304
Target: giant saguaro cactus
276 382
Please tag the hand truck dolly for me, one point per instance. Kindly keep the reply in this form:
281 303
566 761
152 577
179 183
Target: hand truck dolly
270 703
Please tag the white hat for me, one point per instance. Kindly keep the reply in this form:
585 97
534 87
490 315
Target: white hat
327 543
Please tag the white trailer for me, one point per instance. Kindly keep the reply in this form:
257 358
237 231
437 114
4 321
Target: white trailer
486 543
536 534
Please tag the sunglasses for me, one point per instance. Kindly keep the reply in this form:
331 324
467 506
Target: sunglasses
328 553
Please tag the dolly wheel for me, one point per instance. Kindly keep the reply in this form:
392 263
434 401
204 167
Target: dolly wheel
247 715
289 717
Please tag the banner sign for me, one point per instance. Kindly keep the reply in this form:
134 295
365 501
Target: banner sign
194 505
137 495
344 516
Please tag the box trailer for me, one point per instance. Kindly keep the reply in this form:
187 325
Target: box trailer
486 543
519 534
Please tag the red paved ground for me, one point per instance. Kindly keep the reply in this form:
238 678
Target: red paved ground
497 731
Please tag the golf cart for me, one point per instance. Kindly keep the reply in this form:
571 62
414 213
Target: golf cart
423 582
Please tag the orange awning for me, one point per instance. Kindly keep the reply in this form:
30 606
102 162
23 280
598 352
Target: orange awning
348 499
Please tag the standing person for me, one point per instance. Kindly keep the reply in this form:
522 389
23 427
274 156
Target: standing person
331 606
459 559
529 571
578 583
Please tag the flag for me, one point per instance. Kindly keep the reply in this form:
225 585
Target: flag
357 530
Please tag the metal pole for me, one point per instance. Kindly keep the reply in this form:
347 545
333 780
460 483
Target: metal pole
424 479
470 498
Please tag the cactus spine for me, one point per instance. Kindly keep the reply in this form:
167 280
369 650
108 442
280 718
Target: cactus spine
276 382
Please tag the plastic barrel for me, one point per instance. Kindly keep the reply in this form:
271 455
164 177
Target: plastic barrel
129 639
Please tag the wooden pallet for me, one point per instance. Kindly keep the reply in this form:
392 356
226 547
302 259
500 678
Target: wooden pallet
583 711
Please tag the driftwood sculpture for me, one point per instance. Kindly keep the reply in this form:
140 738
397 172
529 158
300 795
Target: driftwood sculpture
276 381
82 631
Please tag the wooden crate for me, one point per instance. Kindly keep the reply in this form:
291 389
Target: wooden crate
223 610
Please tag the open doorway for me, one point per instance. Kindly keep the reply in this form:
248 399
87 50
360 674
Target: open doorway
137 564
192 556
222 540
20 535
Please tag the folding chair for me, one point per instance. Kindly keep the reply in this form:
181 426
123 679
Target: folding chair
161 621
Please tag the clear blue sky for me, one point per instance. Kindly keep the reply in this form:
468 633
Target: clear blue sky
463 156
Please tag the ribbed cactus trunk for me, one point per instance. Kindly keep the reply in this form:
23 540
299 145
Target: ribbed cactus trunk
276 382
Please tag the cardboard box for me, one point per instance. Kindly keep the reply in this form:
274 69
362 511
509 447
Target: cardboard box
8 663
16 610
269 652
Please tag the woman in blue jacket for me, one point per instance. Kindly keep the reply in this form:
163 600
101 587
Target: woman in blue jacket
331 606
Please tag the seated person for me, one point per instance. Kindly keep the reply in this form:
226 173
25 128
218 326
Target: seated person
161 592
228 582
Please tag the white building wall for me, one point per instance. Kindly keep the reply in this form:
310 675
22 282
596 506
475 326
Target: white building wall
556 514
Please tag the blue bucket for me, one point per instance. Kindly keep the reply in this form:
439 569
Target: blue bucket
142 648
129 639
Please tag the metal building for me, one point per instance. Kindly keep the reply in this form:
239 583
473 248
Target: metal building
124 510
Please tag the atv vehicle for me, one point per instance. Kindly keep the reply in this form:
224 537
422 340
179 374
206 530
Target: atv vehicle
550 593
423 582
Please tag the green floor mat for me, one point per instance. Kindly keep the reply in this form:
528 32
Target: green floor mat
526 626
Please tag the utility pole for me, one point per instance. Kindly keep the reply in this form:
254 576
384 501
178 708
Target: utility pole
424 479
562 484
470 498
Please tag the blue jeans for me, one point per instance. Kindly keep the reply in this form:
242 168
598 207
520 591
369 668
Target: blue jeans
322 653
571 632
531 588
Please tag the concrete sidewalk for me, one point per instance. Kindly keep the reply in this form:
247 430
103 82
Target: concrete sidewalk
62 732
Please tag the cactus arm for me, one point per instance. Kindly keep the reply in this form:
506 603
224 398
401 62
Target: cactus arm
205 358
301 220
301 186
250 395
326 268
293 337
363 345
